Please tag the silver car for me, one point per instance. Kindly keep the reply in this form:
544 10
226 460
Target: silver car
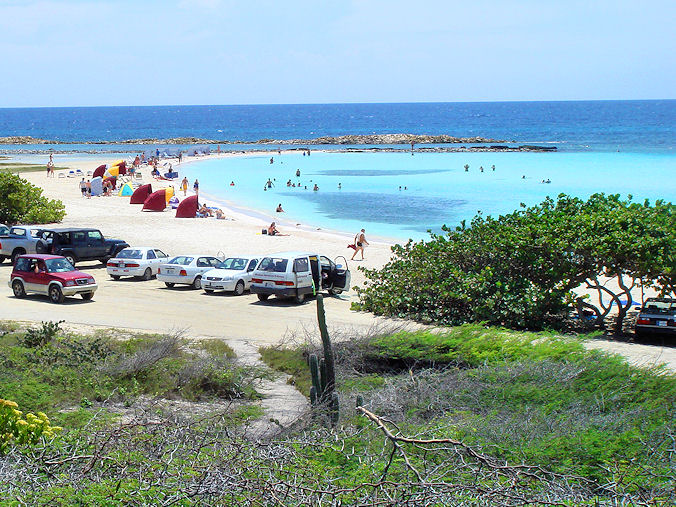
232 275
140 262
186 269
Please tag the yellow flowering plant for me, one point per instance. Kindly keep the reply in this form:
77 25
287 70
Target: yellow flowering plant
15 429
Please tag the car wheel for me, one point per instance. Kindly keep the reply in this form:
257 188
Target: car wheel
55 294
169 284
40 247
115 277
16 253
17 287
239 288
197 283
70 258
2 259
263 297
335 292
299 298
209 291
147 275
105 260
87 296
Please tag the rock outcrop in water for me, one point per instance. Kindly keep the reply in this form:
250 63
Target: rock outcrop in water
25 140
372 139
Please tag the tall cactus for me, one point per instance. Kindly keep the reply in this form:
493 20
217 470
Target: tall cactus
323 371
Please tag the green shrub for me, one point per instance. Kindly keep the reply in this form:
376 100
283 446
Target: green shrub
40 336
21 201
518 270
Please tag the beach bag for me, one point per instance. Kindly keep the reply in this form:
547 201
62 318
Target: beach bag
264 231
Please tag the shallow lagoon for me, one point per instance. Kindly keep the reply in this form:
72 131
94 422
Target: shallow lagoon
435 189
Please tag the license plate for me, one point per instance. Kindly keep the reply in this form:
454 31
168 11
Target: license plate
169 270
121 264
662 323
269 284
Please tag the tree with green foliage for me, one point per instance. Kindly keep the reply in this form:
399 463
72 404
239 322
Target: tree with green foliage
23 202
520 269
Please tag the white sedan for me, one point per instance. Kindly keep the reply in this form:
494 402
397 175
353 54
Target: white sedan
233 274
141 262
186 269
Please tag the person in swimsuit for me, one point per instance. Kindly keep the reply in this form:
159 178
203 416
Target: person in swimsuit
359 243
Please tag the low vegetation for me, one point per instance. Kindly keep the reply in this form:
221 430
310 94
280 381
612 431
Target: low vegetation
68 376
586 424
465 415
519 270
23 202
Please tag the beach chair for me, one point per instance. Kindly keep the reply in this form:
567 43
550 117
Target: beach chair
79 172
61 175
71 174
89 173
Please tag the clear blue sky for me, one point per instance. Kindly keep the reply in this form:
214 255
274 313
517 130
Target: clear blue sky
78 52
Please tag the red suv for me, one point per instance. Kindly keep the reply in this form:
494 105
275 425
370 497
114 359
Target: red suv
50 275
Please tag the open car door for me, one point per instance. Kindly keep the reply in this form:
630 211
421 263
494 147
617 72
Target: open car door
342 277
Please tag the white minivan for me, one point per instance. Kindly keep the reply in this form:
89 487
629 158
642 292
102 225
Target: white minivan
298 274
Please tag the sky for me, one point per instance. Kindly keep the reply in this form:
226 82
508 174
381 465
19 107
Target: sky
150 52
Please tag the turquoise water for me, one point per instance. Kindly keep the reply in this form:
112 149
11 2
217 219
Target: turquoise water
435 189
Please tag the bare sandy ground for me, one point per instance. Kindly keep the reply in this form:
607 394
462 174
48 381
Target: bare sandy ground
151 306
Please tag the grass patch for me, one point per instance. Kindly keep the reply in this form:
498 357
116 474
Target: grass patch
291 361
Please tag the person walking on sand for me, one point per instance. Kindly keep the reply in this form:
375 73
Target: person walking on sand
359 243
83 187
184 186
196 187
88 185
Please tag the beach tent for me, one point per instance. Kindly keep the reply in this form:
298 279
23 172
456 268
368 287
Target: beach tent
99 171
169 193
112 180
141 194
112 172
126 190
155 201
187 208
121 168
97 185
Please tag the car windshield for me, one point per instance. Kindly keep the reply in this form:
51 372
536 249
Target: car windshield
58 266
278 265
130 253
660 307
181 260
237 263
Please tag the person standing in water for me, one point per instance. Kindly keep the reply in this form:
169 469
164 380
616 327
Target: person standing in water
359 244
196 187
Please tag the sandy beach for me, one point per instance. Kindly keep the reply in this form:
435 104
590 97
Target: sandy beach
151 306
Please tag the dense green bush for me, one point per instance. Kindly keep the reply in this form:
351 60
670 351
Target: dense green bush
21 201
519 270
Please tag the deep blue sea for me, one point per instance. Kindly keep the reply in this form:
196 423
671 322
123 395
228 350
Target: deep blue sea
626 147
645 125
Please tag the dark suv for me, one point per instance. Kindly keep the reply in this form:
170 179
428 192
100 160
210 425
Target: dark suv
658 316
84 245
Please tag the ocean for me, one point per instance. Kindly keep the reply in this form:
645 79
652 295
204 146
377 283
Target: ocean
626 147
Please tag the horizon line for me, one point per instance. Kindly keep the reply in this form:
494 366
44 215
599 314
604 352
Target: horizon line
342 103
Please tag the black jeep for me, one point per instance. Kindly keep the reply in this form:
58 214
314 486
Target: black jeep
85 245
